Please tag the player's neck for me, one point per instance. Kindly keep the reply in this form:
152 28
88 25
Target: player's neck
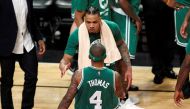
98 64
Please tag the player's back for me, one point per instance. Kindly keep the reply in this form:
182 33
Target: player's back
96 89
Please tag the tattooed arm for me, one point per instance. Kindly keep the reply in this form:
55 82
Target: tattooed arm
124 64
71 92
183 74
118 86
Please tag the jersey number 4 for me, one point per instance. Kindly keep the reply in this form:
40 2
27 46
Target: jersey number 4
96 99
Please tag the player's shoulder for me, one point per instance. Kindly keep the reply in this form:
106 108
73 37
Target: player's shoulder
108 70
75 32
110 23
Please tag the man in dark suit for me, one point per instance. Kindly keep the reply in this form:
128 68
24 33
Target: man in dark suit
17 36
160 38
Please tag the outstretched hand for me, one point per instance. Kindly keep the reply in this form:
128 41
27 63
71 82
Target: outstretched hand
178 97
64 67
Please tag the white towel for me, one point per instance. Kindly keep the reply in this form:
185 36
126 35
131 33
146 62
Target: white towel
107 40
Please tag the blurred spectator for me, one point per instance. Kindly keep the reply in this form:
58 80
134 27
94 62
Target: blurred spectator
18 33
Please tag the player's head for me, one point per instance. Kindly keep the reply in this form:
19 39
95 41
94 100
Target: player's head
97 52
92 19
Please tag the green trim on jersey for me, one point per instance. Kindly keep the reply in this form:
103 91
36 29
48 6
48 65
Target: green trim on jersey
179 18
102 5
188 48
97 89
185 2
73 41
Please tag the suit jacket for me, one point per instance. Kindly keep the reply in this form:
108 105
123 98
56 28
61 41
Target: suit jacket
9 28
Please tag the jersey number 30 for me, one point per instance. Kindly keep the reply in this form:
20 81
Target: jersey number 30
96 99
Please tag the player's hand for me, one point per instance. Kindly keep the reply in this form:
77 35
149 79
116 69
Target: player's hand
178 6
42 47
178 96
139 26
64 67
183 29
128 77
174 4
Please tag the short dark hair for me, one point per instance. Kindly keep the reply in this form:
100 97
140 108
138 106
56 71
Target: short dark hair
92 10
97 52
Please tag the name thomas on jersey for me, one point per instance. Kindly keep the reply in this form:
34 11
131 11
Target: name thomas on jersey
98 82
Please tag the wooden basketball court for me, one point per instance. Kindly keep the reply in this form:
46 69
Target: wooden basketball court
51 88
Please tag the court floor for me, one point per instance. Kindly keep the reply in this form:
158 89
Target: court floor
51 88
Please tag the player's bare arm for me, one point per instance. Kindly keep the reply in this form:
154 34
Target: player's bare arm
183 73
65 63
125 64
119 91
124 52
79 15
71 92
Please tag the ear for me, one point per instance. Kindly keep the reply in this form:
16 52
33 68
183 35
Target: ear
100 21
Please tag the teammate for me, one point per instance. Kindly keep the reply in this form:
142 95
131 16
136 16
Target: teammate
182 38
105 12
179 18
129 22
126 16
94 87
95 30
182 92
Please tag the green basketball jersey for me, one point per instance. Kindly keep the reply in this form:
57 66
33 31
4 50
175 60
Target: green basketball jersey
127 27
179 18
102 5
185 2
96 89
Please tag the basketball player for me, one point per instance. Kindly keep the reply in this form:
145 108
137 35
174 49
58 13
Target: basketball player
94 87
182 39
105 12
182 92
93 24
130 24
